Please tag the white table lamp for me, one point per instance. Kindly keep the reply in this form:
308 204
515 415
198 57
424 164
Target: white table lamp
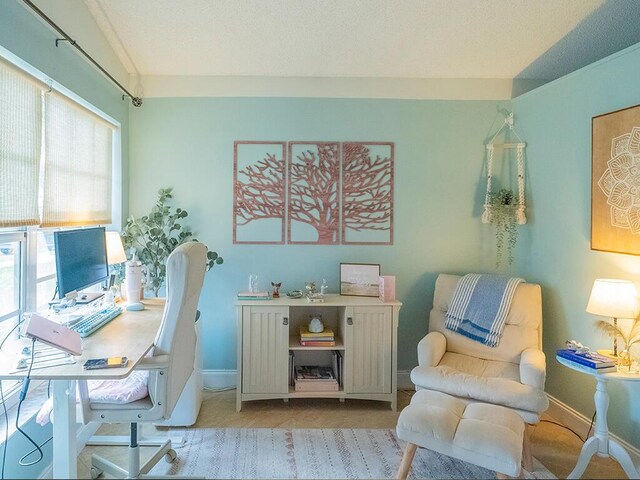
615 299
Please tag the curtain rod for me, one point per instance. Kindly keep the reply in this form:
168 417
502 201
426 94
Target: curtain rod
135 101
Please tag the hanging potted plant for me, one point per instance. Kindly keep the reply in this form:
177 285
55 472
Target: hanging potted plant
501 210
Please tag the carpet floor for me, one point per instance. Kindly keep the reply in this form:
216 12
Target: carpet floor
309 453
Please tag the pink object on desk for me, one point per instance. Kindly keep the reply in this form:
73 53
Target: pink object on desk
387 285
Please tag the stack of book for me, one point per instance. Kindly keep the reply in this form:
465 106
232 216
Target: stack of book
254 295
324 338
588 360
315 379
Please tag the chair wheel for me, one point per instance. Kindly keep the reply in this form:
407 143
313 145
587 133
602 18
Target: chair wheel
170 456
95 473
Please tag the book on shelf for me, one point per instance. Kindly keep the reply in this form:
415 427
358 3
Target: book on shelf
305 333
292 361
314 373
589 359
336 360
318 343
315 386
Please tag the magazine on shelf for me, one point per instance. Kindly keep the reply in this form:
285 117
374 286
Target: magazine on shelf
315 373
589 359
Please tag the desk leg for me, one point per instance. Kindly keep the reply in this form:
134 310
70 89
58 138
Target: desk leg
65 453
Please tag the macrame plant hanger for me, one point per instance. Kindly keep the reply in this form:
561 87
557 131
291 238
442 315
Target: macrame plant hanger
487 215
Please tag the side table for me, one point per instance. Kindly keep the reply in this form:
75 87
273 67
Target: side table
601 443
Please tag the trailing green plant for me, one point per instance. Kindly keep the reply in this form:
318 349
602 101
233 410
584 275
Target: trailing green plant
503 216
156 235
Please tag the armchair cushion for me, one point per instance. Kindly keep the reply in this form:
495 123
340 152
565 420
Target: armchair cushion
533 367
488 381
431 349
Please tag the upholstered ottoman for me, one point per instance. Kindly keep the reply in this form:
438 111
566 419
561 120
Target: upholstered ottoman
489 436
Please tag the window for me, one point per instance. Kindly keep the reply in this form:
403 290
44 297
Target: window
59 166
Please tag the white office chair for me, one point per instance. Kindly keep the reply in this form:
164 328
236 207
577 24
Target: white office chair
169 367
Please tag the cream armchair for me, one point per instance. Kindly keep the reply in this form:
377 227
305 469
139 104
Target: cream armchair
511 374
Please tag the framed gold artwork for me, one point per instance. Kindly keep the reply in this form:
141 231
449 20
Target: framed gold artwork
615 181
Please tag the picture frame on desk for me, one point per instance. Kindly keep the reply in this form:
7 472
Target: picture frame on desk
359 279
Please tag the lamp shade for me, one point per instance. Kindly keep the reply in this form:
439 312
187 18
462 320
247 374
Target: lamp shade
613 298
115 250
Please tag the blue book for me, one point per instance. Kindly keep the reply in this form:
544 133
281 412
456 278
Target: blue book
591 360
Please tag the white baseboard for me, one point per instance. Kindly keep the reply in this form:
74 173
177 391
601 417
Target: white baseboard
404 380
219 378
85 432
580 424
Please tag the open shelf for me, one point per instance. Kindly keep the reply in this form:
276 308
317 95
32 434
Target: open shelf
293 394
294 344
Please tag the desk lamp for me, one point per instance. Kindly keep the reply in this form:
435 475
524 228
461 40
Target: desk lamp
615 299
115 252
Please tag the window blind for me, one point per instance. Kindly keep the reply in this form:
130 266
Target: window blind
78 165
20 147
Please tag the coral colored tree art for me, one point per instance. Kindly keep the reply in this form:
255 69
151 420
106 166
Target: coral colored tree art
314 189
259 192
367 193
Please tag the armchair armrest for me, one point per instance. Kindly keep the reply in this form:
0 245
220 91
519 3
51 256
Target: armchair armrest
533 368
157 362
431 349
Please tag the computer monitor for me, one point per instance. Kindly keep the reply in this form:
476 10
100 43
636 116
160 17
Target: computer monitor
81 261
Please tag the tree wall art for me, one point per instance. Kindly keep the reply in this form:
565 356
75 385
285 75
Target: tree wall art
331 193
259 192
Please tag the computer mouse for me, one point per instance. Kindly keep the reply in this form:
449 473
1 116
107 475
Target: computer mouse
135 307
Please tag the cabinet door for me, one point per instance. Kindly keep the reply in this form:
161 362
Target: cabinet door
368 339
265 350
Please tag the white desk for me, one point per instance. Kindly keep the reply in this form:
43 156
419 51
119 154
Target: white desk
131 334
601 443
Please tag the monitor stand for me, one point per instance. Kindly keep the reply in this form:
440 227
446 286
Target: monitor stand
88 297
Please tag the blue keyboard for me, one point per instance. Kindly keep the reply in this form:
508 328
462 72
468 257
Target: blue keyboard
95 321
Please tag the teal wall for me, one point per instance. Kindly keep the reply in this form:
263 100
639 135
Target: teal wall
25 36
556 122
187 144
28 38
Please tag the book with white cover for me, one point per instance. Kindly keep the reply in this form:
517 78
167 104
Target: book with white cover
54 334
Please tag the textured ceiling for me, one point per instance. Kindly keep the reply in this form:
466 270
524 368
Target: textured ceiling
337 38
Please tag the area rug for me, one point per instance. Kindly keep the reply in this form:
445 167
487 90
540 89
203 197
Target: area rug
308 453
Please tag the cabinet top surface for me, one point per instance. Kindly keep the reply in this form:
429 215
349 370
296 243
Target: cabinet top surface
330 300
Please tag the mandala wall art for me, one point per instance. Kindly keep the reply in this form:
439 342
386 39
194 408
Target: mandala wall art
259 192
615 182
314 189
367 193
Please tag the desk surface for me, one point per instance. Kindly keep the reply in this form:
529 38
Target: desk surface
131 334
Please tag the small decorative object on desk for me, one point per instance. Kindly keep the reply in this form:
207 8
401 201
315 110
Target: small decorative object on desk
324 288
316 325
276 289
312 293
310 287
294 294
387 288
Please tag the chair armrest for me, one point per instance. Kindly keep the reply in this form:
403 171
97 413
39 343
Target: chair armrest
157 362
431 349
533 368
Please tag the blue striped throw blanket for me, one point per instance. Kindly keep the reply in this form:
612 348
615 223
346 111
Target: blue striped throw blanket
480 305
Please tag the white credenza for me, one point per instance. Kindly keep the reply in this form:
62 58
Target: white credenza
366 335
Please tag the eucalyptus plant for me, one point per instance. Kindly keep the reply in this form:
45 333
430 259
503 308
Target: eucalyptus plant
503 216
154 236
629 336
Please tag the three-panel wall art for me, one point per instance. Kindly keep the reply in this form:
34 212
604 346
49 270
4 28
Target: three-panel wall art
323 193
